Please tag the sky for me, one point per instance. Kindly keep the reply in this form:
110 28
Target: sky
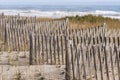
60 2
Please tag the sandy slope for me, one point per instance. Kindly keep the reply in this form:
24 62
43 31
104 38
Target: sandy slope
15 66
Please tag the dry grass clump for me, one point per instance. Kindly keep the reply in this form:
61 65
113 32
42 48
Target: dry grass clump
44 19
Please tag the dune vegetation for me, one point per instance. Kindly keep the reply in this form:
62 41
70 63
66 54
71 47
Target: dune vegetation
89 21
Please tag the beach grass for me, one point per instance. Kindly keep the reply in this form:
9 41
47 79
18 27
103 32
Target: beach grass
88 21
92 21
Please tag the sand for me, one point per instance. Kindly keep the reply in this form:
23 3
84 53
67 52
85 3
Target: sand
15 66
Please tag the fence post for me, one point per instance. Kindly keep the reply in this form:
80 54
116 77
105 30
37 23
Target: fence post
67 57
111 59
31 49
106 64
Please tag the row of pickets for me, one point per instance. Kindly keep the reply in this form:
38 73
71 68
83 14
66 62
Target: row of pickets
15 35
93 62
87 53
15 30
51 49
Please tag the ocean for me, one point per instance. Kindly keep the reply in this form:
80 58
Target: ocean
58 11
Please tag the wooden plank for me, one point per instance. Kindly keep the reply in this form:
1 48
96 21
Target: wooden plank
38 49
62 52
31 49
72 61
67 75
106 65
94 59
50 37
42 54
46 42
83 60
111 58
54 40
89 64
78 65
99 56
58 51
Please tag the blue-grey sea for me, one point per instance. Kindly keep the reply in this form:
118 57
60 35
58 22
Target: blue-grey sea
57 11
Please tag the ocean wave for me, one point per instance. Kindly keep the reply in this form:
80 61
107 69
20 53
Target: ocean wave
59 14
106 12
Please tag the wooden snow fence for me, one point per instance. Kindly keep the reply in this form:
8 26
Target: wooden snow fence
93 62
88 54
14 30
